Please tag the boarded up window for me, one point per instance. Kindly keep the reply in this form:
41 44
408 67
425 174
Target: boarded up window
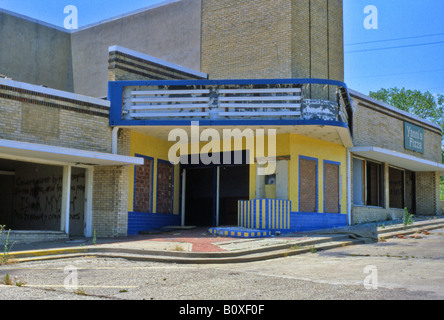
143 187
308 187
165 173
331 188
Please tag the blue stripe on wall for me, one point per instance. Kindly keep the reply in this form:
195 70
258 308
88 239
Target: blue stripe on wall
138 221
303 221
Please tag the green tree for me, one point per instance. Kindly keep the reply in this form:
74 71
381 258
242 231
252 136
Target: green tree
424 105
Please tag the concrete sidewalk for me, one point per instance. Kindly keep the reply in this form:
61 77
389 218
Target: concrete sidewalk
198 246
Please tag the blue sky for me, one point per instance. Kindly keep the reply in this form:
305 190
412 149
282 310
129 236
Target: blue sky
406 50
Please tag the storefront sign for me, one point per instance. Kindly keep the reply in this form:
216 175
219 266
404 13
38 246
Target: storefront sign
413 137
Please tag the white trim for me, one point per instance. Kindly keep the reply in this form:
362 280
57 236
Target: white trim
89 174
398 159
66 202
391 108
17 150
53 92
157 61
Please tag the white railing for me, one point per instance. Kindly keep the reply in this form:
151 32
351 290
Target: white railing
276 102
226 101
167 103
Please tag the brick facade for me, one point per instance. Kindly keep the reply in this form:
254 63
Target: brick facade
331 188
110 201
127 66
308 185
143 187
165 180
50 117
306 43
382 127
378 125
32 116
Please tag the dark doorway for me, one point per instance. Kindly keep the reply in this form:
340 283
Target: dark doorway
199 196
396 188
6 198
233 186
212 191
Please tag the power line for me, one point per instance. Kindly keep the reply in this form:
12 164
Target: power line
395 39
397 74
397 47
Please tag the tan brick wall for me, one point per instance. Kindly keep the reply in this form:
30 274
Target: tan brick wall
362 214
52 120
246 39
110 201
272 39
380 127
32 117
122 66
427 193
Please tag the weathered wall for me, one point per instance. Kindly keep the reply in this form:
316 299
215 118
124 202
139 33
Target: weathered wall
110 201
29 115
45 116
170 32
126 64
377 126
272 39
33 52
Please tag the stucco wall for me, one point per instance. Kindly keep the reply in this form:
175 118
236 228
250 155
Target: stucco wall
33 52
170 32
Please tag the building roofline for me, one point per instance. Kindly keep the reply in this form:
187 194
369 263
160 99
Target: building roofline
158 61
53 26
384 105
40 22
53 92
131 13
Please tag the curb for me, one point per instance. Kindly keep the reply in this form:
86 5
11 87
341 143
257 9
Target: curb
257 254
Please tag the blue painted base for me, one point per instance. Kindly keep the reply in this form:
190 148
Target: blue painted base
239 232
302 221
138 221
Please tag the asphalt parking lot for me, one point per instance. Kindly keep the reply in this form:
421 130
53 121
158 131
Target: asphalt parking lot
394 269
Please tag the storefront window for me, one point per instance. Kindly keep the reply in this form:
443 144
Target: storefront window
368 183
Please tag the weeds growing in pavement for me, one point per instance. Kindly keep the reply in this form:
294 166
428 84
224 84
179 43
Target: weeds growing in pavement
407 219
6 248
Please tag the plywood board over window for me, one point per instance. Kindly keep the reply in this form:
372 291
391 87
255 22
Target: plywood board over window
143 186
308 185
165 177
331 187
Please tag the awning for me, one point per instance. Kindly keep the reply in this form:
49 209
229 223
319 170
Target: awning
398 159
31 152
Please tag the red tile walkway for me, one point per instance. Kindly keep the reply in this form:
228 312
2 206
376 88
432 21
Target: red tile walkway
200 238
